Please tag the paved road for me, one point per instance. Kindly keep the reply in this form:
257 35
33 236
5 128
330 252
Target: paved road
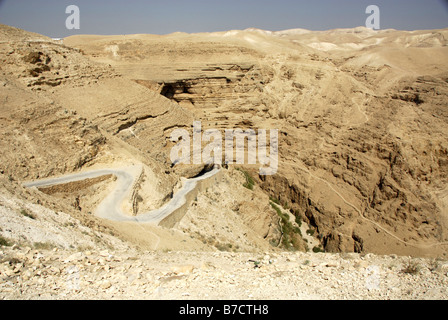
110 207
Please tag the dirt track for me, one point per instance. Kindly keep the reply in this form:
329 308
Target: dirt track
111 207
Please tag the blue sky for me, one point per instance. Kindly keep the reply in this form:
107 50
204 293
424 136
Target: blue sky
161 17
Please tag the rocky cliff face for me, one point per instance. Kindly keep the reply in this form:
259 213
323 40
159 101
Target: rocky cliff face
361 116
363 147
63 113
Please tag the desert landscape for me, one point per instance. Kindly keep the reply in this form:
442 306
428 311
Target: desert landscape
92 207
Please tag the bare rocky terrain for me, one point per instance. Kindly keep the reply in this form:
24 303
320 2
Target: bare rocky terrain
108 274
362 175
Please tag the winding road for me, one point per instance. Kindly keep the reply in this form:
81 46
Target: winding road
110 207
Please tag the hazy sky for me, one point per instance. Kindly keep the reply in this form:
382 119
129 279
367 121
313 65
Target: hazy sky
160 17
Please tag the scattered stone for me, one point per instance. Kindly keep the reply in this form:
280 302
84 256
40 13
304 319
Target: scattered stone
106 284
104 253
185 269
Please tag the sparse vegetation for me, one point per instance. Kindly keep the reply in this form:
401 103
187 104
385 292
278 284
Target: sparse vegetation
82 248
297 230
433 265
10 260
224 246
257 264
27 214
318 249
290 239
4 242
412 267
69 224
298 220
277 209
249 184
310 232
43 245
